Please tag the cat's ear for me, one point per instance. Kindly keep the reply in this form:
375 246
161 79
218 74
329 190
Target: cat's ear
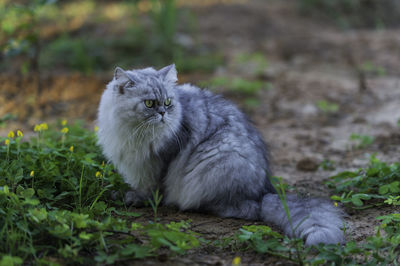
169 72
120 74
121 78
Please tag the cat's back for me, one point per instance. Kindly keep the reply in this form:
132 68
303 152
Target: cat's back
214 119
202 105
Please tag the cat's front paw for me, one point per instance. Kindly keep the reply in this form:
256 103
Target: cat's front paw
135 198
323 234
130 198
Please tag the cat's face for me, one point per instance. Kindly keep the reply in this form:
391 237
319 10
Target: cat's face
146 99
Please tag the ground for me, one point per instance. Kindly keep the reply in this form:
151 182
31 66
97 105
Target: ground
309 62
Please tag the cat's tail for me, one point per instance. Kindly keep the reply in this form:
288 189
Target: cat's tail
313 219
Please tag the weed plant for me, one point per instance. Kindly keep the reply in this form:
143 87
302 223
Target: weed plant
55 207
327 107
249 90
362 141
378 185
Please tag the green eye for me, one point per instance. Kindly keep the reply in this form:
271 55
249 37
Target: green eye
149 103
167 102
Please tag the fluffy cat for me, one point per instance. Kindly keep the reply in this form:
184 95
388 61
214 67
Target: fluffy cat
202 152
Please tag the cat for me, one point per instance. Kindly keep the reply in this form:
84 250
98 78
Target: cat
201 152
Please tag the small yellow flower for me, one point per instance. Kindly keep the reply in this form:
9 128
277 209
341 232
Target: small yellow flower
64 130
96 128
71 149
237 261
64 122
36 128
7 142
11 134
335 203
98 174
102 164
19 133
43 127
32 173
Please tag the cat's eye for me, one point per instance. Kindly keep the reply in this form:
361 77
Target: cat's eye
167 102
149 103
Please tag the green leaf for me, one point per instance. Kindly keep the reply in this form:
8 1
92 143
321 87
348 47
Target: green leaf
127 213
335 197
384 189
85 236
38 215
356 201
8 260
80 220
32 202
394 187
28 193
139 252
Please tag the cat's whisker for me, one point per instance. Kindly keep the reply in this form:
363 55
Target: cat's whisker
139 133
131 140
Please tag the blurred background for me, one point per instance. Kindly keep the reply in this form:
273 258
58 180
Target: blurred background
280 60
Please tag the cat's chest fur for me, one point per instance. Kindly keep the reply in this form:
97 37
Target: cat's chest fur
141 172
132 156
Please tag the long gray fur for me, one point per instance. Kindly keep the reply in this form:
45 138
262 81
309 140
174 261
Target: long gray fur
202 152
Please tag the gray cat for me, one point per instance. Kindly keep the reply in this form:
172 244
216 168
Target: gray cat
202 152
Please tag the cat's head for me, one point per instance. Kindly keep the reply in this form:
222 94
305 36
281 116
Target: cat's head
147 98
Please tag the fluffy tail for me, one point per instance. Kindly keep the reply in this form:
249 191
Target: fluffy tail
313 219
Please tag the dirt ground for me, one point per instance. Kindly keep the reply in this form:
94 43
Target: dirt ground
308 61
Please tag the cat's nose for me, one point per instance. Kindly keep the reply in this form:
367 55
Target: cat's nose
161 113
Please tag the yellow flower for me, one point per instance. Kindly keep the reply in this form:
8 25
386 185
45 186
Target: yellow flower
335 203
96 128
237 261
43 126
71 149
32 173
64 122
64 130
7 142
19 133
98 174
36 128
11 134
102 164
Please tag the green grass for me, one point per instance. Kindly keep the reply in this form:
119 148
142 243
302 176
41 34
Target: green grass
327 107
55 204
55 209
256 61
362 141
249 90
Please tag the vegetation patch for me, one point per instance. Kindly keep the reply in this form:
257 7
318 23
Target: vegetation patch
55 205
